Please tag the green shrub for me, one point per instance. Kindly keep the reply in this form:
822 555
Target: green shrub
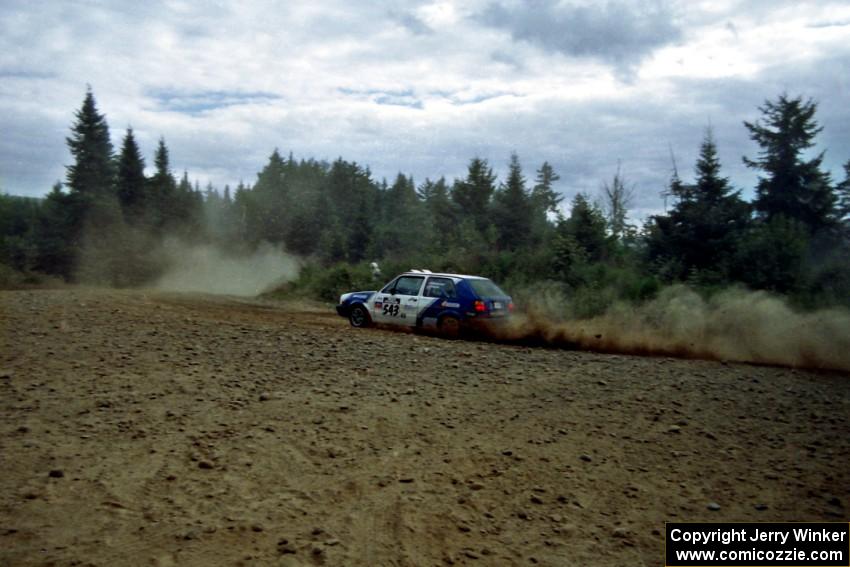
327 284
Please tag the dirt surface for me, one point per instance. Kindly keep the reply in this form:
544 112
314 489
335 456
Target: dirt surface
155 429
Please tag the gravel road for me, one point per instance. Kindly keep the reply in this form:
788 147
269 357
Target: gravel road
143 428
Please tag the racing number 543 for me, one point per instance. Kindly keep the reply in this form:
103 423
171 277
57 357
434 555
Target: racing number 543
391 310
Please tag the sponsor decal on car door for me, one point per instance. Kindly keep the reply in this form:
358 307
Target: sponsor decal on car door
398 304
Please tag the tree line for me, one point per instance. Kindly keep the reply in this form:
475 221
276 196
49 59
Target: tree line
106 221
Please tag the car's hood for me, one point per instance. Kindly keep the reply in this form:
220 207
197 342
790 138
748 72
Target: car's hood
363 295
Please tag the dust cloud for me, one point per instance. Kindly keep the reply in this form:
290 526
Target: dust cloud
734 325
206 269
116 254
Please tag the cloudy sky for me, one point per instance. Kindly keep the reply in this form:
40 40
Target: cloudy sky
420 87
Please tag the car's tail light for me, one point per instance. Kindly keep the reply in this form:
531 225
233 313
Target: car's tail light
510 306
479 307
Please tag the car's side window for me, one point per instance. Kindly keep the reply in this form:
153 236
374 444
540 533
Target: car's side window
408 285
440 287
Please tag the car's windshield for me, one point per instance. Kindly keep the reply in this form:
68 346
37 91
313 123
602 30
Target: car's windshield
404 285
486 288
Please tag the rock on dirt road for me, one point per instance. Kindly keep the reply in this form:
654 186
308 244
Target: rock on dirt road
162 429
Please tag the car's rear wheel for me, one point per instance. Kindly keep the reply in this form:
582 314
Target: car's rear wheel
359 317
449 327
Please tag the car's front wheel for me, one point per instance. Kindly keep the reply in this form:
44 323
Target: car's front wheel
359 317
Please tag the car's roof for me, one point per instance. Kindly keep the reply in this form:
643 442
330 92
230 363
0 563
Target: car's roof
442 274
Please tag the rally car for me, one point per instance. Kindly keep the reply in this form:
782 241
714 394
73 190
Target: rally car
448 303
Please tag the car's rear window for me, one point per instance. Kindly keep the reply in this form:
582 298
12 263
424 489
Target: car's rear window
486 288
440 287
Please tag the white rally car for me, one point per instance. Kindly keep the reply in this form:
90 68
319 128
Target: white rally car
449 303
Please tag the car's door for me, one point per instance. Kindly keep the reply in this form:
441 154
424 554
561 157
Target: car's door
398 303
440 292
438 296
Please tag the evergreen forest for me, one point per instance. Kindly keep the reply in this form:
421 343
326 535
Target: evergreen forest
104 223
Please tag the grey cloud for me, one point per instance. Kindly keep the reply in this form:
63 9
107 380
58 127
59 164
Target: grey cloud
507 58
205 101
390 98
617 32
461 98
583 139
12 73
32 154
411 22
825 81
830 24
408 101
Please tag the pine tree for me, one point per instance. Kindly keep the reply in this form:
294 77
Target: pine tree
617 200
271 179
843 193
55 253
442 213
163 208
473 194
271 198
349 203
661 241
131 179
544 201
543 197
403 222
92 174
586 224
718 218
360 232
794 188
700 235
241 204
188 205
579 240
512 210
162 162
93 219
18 217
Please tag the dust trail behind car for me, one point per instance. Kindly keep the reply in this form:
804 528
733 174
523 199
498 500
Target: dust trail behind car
207 269
734 325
